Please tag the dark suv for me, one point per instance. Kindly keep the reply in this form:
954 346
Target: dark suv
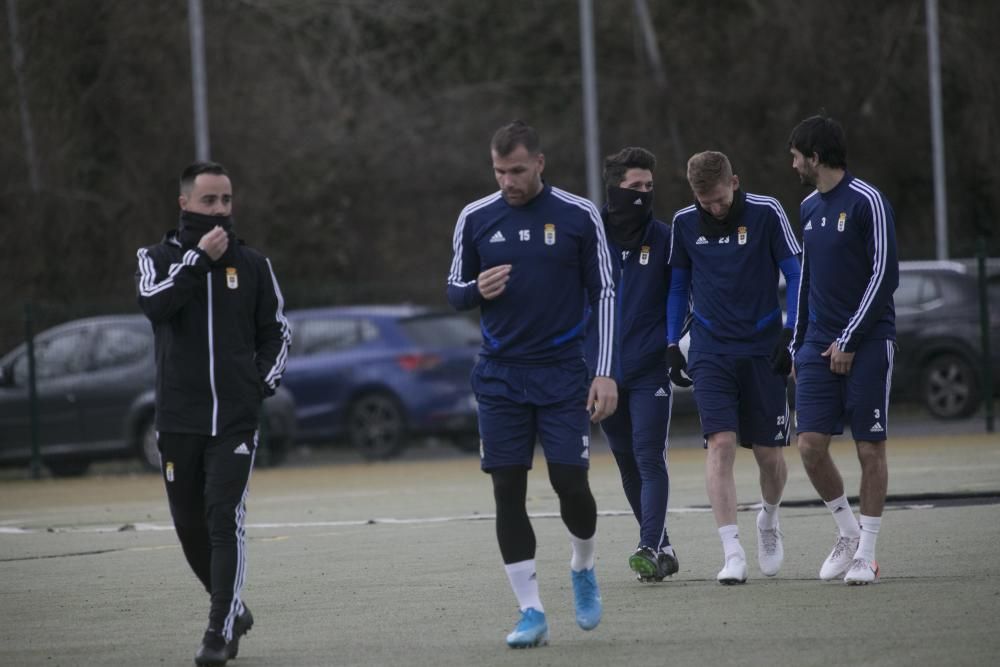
940 358
94 380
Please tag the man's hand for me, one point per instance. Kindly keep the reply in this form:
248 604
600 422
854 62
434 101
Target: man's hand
677 367
492 282
602 401
840 361
781 358
214 243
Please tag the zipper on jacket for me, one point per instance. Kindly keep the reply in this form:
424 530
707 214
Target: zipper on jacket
211 360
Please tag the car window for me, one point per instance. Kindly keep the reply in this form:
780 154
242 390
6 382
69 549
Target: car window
120 346
442 330
66 353
915 292
323 335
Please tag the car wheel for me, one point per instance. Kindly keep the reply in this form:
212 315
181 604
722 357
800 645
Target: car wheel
950 387
68 467
149 452
376 427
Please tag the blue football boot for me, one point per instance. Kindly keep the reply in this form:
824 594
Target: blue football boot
587 598
530 631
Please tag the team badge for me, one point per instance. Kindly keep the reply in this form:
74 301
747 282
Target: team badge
840 221
232 282
741 235
550 234
168 470
644 255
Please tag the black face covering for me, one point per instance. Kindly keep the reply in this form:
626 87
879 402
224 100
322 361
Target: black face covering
628 213
709 225
195 225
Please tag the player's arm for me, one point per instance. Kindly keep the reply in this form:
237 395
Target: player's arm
801 305
678 307
878 228
600 286
781 355
602 400
163 288
463 288
274 334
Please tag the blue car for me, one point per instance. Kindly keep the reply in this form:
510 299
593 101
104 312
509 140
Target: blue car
379 375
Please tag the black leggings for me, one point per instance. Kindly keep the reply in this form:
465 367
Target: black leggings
510 489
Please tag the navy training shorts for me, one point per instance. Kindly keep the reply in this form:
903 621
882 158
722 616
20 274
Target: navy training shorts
521 404
741 394
825 401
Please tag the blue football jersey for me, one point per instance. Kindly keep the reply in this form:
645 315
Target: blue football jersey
734 279
642 282
850 267
559 261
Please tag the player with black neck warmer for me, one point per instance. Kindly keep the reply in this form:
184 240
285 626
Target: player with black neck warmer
639 246
221 342
628 213
724 224
727 249
193 226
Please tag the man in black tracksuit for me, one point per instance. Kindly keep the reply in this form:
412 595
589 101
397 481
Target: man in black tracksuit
221 344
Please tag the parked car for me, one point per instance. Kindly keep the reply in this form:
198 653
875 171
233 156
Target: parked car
379 375
940 359
95 382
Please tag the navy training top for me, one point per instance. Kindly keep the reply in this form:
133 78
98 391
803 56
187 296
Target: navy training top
734 279
559 261
850 267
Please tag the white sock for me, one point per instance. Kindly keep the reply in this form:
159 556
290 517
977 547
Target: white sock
583 553
844 516
768 516
524 581
669 550
869 533
731 541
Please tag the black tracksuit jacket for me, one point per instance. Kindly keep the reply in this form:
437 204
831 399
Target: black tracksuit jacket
221 335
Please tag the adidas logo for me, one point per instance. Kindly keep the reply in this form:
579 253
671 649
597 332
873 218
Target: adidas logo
242 449
660 392
638 201
877 428
701 241
809 226
497 237
779 436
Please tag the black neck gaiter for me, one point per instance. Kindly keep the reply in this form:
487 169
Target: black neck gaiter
193 226
628 213
709 225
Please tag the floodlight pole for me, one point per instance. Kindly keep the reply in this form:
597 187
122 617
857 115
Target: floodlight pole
196 29
591 142
937 130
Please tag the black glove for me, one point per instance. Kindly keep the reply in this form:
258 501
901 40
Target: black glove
676 366
781 358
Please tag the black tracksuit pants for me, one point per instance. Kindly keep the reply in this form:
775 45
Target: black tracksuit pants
207 481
